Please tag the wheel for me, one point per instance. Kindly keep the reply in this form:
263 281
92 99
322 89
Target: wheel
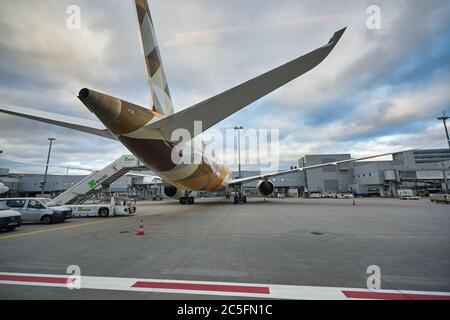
191 200
103 212
183 200
11 229
46 219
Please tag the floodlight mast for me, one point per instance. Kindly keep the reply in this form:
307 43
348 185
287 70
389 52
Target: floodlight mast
444 119
238 129
46 167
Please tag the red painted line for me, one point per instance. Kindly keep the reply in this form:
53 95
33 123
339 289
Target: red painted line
33 279
392 296
201 287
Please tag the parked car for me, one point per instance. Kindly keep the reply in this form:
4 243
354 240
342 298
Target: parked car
35 210
9 219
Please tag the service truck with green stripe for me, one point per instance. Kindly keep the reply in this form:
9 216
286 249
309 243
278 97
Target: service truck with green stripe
115 207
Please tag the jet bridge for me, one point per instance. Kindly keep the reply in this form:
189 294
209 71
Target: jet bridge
98 180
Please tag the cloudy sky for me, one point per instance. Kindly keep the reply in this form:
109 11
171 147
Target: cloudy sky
378 91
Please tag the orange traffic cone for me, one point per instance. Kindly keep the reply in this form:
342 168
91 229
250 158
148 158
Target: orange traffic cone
141 229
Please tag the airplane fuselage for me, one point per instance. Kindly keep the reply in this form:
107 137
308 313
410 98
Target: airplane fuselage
156 155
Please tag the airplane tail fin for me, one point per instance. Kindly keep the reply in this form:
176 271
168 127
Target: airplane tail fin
157 81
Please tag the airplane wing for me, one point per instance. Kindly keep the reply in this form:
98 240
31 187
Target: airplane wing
83 125
216 109
283 173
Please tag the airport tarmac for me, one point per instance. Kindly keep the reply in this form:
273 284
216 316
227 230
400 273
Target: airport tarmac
281 245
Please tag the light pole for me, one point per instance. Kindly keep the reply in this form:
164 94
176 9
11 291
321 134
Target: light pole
444 119
48 162
238 129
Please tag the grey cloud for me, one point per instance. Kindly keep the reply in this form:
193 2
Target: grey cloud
207 47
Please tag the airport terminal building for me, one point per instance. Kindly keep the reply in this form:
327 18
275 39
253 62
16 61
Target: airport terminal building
30 185
426 171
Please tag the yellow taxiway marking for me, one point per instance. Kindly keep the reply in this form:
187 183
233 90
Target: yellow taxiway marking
54 229
85 224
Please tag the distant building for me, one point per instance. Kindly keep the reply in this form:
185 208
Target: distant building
327 179
421 159
29 185
293 182
421 170
426 171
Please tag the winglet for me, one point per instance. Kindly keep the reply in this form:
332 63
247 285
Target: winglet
337 36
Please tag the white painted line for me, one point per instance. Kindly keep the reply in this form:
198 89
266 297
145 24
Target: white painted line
247 290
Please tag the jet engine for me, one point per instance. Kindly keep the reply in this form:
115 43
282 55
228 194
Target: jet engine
265 188
173 192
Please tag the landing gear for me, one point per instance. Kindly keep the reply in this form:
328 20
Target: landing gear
239 197
187 199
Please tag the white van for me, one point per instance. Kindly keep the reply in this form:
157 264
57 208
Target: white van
35 210
9 219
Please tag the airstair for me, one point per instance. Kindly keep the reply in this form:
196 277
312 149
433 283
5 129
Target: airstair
99 180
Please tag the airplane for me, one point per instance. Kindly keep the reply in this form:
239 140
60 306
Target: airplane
147 132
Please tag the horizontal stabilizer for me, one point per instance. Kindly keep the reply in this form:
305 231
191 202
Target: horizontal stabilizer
216 109
83 125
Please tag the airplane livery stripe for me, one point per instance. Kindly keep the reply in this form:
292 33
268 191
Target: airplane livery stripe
155 72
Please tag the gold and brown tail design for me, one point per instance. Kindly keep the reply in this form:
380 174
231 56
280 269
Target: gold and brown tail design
159 89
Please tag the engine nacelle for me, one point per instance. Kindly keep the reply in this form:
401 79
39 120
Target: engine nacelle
173 192
265 188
